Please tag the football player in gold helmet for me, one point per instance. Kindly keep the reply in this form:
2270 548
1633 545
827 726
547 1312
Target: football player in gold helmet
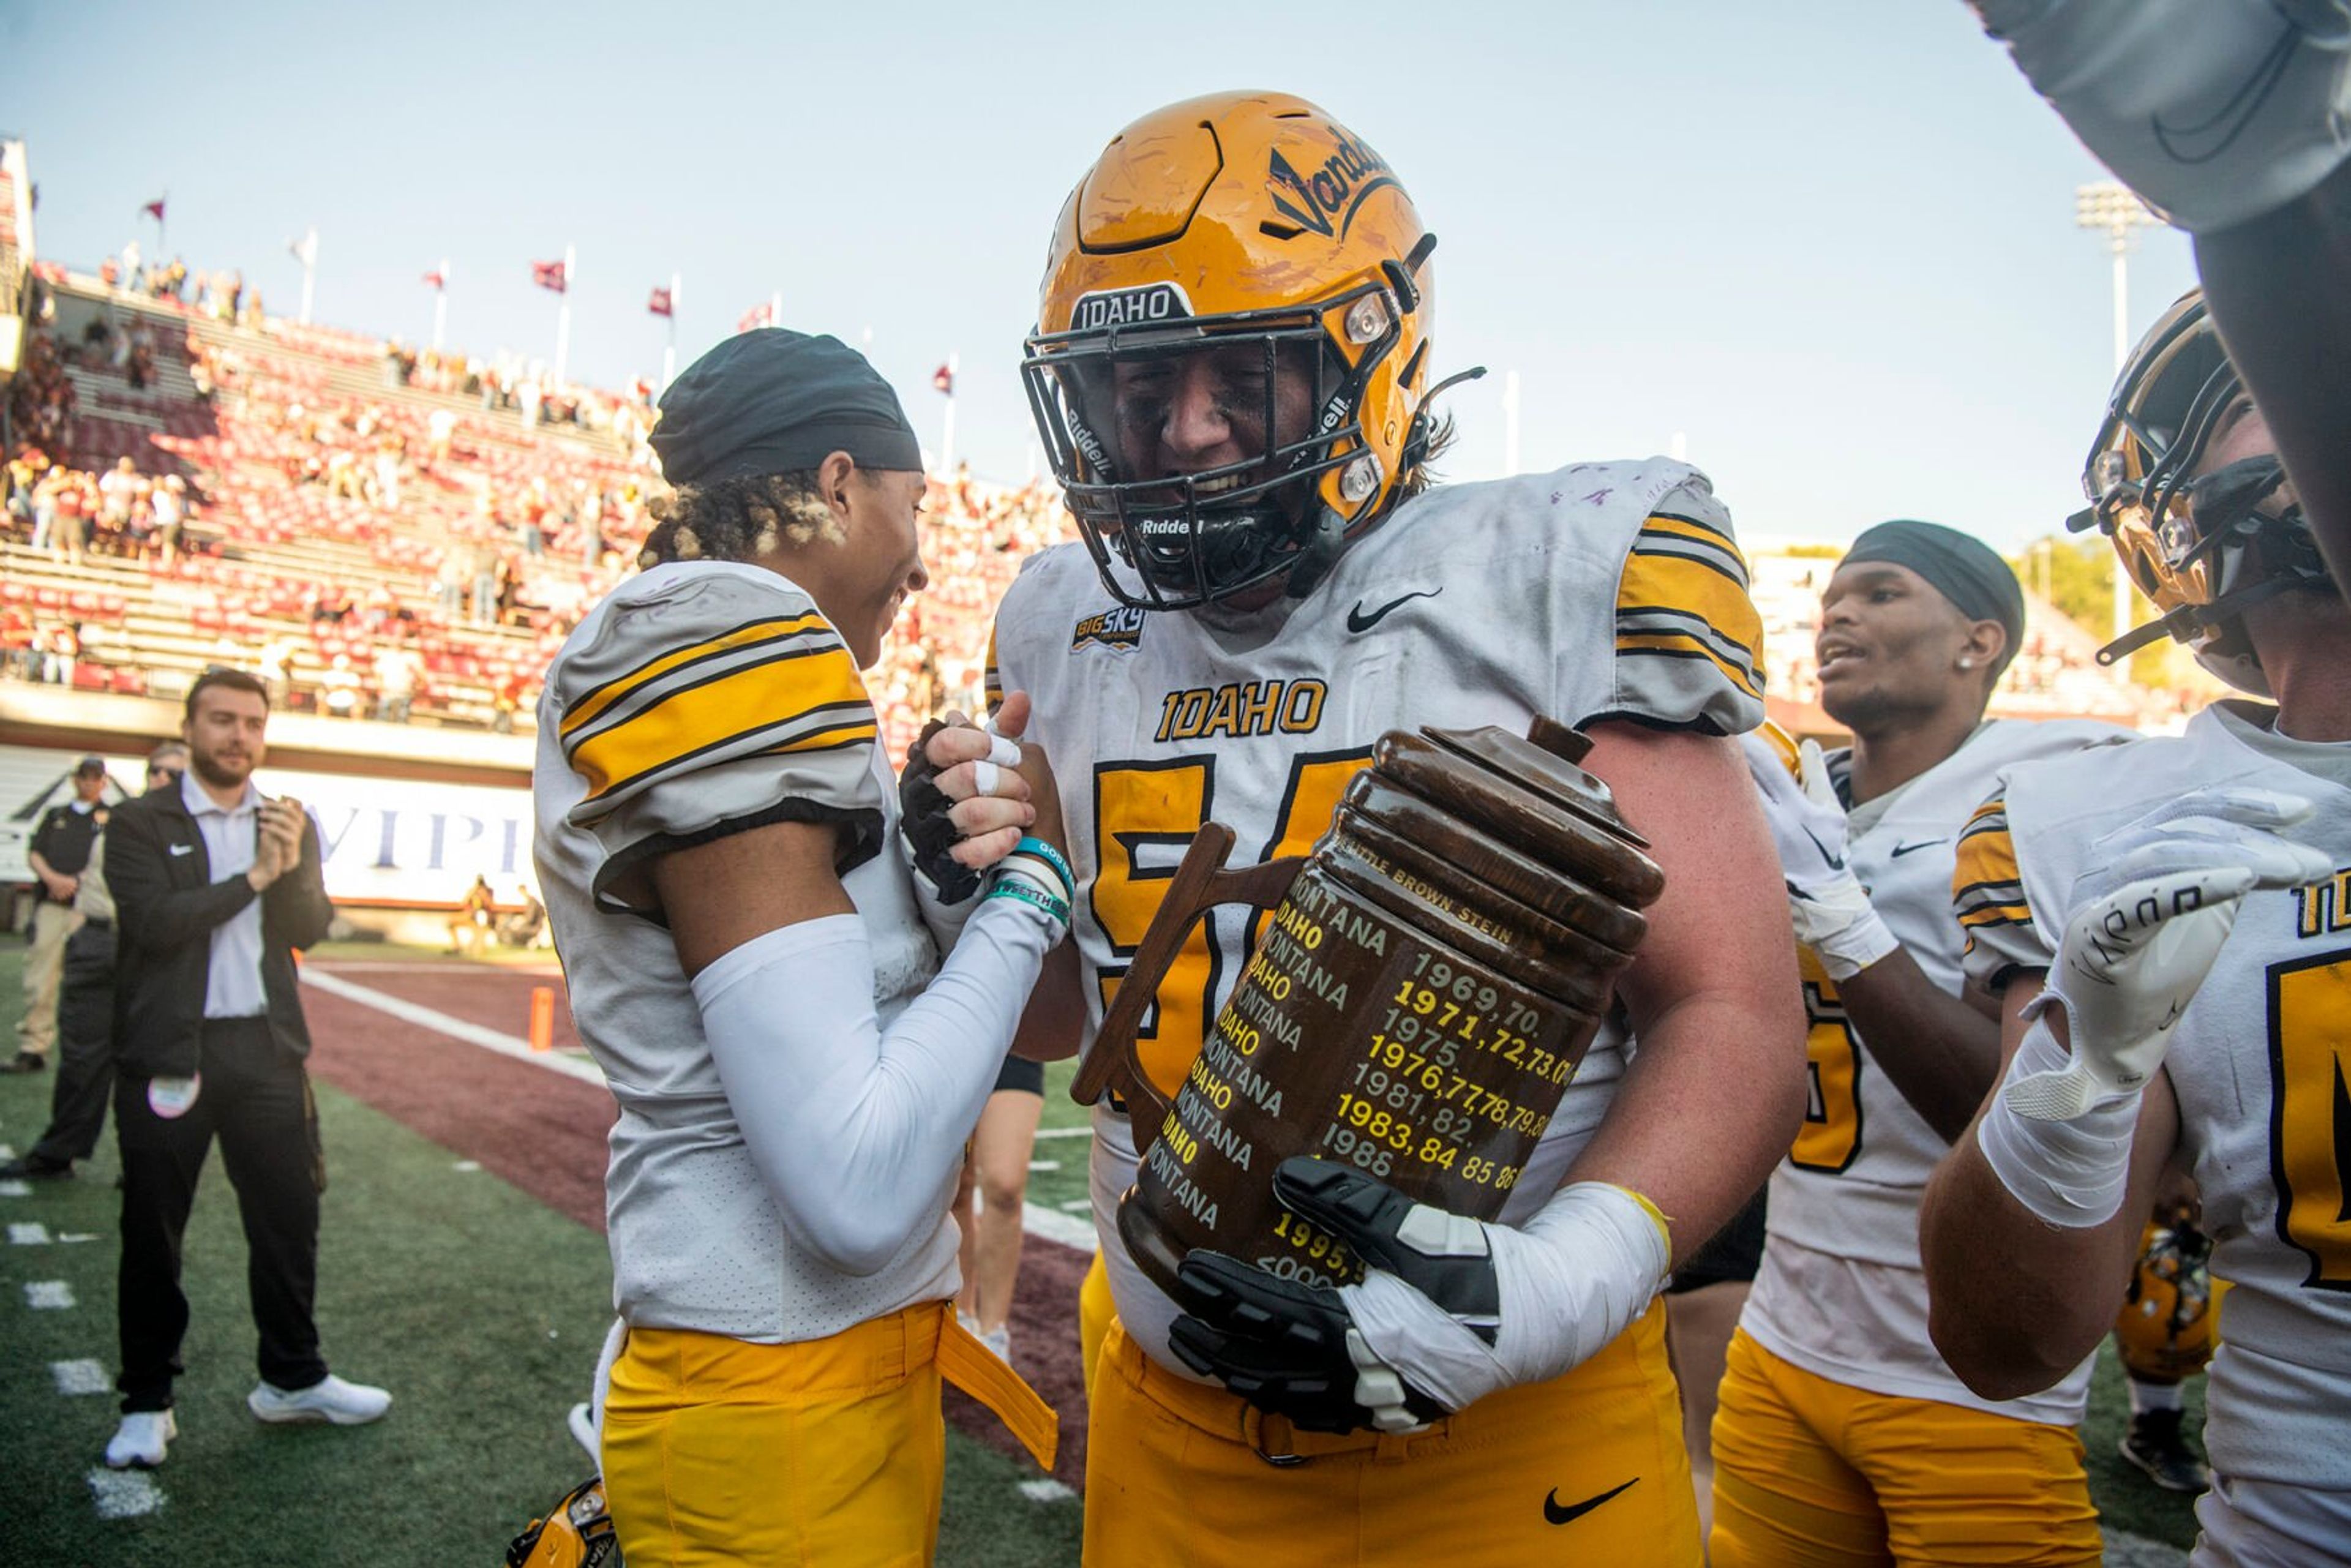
1233 371
2163 923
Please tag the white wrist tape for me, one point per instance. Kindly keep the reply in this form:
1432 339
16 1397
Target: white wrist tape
830 1103
2069 1173
1574 1278
1846 931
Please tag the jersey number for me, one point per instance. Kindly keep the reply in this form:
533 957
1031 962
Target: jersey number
2310 1112
1146 814
1830 1139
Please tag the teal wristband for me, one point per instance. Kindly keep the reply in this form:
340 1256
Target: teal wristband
1036 898
1051 857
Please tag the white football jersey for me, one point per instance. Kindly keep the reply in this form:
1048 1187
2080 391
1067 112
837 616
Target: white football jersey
2259 1062
1601 590
1841 1292
700 699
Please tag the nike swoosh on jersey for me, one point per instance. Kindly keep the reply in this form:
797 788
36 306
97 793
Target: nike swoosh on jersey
183 849
1900 850
1559 1513
1359 622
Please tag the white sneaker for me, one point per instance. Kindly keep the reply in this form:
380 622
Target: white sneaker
141 1440
344 1404
1000 1342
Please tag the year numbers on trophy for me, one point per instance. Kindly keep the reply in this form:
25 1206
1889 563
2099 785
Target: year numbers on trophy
1402 1032
1358 1149
1395 1093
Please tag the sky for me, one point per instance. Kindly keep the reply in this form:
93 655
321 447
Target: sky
1829 247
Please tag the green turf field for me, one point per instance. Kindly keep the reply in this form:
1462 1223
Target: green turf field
481 1310
477 1307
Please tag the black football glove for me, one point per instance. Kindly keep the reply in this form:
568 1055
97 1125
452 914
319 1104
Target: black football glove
923 822
1294 1348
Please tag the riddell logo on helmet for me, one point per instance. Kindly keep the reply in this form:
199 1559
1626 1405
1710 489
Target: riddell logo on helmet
1129 308
1326 200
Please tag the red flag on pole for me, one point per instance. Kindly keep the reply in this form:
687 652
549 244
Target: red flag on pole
944 379
436 280
660 303
154 209
549 275
758 315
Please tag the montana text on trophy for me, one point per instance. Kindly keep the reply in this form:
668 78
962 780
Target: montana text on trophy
1422 987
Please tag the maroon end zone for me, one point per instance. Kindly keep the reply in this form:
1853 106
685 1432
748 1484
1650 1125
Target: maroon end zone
543 1132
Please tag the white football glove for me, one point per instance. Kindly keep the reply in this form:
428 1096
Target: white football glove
1830 909
2215 112
2150 917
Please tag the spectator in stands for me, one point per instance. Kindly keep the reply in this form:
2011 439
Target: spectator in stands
276 668
60 647
396 669
16 656
339 688
485 583
449 580
504 700
170 502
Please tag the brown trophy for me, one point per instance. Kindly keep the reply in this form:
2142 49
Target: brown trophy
1426 985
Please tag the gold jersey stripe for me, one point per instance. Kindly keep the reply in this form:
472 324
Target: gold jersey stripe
1696 533
1653 581
1683 645
621 686
1987 854
1997 914
743 704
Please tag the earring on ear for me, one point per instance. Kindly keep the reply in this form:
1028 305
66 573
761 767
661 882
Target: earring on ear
1966 663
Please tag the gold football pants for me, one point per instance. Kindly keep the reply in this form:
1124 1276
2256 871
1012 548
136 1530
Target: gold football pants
1588 1468
720 1451
1813 1473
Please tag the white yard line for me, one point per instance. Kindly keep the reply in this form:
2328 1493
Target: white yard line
49 1295
455 1028
124 1494
1044 1489
29 1235
15 1189
79 1378
1054 1225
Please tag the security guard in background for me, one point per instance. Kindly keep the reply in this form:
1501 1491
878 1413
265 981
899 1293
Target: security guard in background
85 1084
59 849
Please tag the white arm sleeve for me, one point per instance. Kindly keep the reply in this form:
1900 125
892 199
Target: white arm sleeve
855 1130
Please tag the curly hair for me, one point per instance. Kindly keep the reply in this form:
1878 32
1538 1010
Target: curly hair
739 519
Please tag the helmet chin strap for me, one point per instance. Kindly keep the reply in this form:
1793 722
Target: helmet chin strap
1325 542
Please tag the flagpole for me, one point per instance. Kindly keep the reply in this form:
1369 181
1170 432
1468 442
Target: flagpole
310 269
441 305
669 353
563 316
946 442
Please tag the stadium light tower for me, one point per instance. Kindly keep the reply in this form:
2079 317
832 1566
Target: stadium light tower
2113 210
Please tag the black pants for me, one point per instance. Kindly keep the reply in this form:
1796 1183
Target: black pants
85 1048
256 1101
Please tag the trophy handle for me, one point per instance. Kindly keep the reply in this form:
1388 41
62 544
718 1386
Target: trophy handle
1200 885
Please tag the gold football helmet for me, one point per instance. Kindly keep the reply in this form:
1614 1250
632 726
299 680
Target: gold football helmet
1255 224
2170 1319
2203 546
